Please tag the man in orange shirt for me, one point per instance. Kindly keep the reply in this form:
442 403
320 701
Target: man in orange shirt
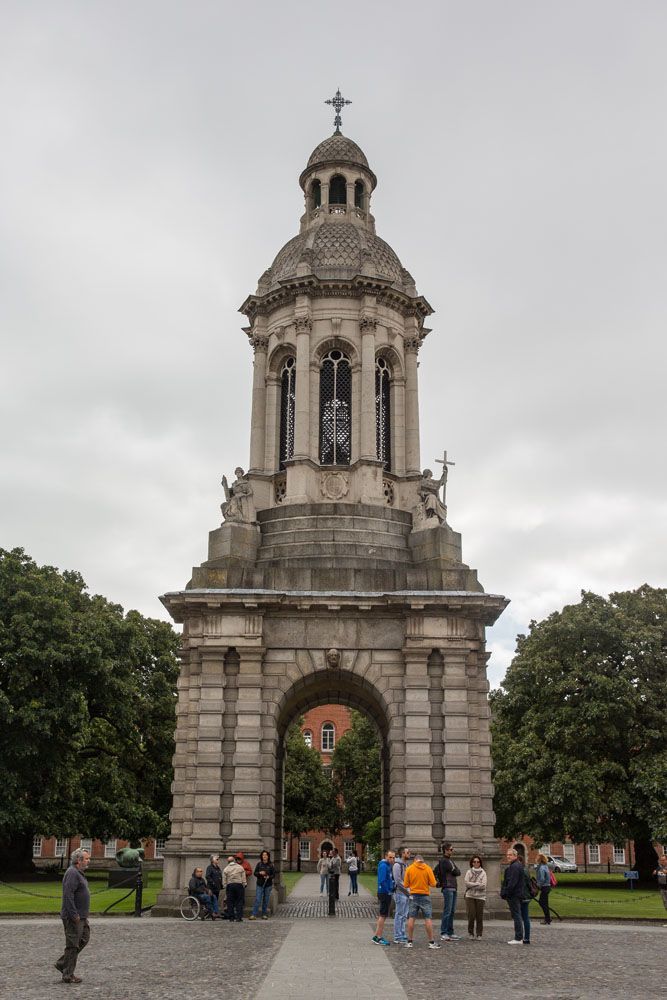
419 880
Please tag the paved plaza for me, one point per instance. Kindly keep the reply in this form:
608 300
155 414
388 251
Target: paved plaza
329 959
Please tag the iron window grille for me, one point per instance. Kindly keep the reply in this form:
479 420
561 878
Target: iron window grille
383 412
287 410
335 409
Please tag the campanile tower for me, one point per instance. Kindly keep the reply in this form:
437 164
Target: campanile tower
334 576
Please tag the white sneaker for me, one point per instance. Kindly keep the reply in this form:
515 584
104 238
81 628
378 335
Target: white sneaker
434 945
445 937
514 941
409 944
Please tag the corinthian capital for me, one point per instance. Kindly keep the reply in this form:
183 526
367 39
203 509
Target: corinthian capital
259 343
368 324
411 345
303 324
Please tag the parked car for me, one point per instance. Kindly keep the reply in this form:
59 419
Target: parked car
558 864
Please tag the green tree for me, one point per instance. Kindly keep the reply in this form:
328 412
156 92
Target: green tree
357 774
580 725
87 712
310 797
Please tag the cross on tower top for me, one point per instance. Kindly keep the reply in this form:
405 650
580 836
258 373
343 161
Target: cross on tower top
338 103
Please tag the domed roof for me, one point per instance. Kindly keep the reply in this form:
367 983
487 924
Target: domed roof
334 249
339 148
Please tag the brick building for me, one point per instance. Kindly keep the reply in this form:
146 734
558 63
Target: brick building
322 727
56 850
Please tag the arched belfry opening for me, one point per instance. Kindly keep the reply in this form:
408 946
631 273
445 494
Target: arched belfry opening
334 575
338 190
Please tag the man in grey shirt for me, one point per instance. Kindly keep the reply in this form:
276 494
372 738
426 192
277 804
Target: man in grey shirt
74 912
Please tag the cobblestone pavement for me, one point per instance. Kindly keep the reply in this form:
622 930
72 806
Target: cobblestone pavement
153 959
563 962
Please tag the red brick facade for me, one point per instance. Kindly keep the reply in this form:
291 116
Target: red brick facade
318 722
50 850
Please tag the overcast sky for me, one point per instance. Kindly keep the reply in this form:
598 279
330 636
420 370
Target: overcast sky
149 174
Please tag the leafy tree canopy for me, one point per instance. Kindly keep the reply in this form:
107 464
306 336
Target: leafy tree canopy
310 796
87 711
580 725
357 774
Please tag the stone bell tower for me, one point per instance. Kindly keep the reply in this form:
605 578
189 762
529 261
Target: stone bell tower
334 576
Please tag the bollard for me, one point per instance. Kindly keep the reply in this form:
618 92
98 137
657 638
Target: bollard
138 895
332 897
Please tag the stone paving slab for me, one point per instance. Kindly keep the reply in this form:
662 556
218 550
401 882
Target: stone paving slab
331 963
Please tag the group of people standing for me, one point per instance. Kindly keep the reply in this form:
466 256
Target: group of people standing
329 868
409 883
233 879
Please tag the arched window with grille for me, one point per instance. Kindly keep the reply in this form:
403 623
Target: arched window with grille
287 410
335 409
328 736
315 194
383 412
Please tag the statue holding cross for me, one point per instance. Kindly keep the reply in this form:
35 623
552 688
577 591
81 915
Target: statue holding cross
431 506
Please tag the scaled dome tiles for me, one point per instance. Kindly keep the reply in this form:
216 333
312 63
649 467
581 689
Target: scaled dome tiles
337 148
338 247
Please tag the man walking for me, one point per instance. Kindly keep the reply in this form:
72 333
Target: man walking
401 896
74 913
446 874
385 890
419 879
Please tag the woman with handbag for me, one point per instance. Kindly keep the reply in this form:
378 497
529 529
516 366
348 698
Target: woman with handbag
543 876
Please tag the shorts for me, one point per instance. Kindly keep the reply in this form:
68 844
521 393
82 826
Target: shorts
385 903
420 906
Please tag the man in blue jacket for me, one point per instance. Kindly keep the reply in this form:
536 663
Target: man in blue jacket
385 891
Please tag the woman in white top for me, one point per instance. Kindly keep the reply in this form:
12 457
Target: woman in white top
475 896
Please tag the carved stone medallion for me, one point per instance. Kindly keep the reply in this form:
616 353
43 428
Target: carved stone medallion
334 485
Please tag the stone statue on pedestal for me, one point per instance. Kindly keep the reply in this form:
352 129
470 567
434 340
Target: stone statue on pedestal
238 504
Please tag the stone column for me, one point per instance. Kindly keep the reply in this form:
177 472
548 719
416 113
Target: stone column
418 781
246 784
368 442
258 417
398 425
412 457
272 424
302 428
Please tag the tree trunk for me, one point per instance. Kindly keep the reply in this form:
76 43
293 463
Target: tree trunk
16 854
646 859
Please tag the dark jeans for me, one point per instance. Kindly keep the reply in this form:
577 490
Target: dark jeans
353 882
335 879
519 911
77 936
448 908
235 901
544 902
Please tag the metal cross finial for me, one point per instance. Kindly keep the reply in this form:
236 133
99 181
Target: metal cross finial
338 103
444 462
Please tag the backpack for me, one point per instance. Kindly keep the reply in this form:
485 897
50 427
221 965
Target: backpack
532 887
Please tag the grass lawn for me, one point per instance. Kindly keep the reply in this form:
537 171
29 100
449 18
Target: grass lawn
46 894
597 897
290 879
